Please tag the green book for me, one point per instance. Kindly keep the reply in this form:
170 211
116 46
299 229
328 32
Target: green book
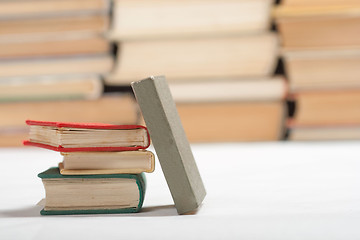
92 194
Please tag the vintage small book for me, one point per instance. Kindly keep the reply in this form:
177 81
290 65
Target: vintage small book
74 137
123 162
170 142
92 194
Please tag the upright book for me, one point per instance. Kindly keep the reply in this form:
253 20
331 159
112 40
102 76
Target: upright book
170 142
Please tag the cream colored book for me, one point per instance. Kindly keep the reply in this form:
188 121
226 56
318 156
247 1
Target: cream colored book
59 45
233 121
312 3
93 64
115 109
124 162
258 89
323 69
196 58
320 133
318 27
139 19
337 107
53 26
35 8
53 87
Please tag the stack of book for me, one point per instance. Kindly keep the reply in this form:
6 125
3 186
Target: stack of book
321 47
102 169
50 51
204 47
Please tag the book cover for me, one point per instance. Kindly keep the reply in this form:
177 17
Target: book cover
170 142
53 173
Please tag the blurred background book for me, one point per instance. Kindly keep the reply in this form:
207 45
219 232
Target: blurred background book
205 49
320 45
239 70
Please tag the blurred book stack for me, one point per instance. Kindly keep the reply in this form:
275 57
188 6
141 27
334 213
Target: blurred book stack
205 49
321 48
52 56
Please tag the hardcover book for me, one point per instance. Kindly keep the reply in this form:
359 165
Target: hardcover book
97 110
170 142
89 64
52 26
74 137
36 8
164 18
323 26
233 121
92 194
53 87
323 69
322 132
63 45
336 107
229 90
124 162
196 58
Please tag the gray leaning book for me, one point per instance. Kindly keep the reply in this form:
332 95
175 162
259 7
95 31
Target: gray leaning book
170 142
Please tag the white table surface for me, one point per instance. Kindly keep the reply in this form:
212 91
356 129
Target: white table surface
278 190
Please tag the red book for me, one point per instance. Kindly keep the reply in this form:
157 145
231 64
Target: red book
81 137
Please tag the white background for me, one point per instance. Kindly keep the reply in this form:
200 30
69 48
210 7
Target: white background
280 190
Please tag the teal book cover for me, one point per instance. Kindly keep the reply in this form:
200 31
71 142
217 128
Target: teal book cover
54 173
